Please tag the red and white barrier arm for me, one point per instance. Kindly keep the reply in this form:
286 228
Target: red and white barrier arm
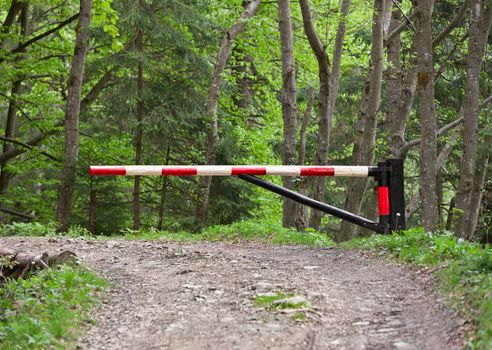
228 170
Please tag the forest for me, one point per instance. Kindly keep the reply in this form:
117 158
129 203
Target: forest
350 82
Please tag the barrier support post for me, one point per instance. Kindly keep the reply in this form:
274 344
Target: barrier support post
397 194
391 197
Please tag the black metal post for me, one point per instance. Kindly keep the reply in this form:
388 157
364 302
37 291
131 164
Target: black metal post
383 197
342 214
397 194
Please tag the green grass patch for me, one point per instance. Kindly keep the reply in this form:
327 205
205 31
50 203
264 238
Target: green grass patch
265 232
46 310
465 270
299 317
279 301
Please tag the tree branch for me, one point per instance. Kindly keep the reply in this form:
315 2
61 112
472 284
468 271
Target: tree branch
28 146
454 124
24 45
456 22
16 213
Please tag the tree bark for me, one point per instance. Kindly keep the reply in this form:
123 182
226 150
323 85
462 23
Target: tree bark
203 191
289 105
139 45
480 21
427 111
302 217
72 111
92 208
21 263
478 184
10 132
11 124
329 80
394 83
15 7
165 181
365 136
414 202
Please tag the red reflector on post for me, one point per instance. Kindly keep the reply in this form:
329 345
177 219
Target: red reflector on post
237 170
107 170
179 171
317 171
383 200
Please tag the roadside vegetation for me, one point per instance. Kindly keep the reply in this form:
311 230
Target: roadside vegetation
47 310
261 231
464 270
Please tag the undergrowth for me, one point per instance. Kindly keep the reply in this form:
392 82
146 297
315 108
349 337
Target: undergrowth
266 232
46 310
465 270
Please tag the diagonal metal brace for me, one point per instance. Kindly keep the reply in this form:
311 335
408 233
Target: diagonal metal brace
299 198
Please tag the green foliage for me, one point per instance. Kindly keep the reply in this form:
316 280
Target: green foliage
46 310
275 301
263 231
466 270
35 229
266 232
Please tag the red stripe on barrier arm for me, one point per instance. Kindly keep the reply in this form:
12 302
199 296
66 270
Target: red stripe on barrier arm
179 171
107 171
260 170
383 200
317 171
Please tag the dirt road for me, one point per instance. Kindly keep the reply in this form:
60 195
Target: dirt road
201 296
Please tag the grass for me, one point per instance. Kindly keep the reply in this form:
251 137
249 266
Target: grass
46 310
465 271
265 232
279 301
270 301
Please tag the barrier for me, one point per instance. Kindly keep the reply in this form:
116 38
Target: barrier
388 174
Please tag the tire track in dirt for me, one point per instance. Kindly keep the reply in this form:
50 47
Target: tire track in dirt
200 296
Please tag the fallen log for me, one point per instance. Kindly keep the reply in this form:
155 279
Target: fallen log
17 265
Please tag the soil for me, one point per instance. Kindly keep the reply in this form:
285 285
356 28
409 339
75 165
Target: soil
201 296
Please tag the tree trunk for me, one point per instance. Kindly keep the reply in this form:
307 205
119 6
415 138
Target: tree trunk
17 265
289 105
11 124
92 208
302 218
165 181
10 132
446 150
365 136
449 220
139 45
478 184
72 110
203 191
480 20
401 88
427 111
327 94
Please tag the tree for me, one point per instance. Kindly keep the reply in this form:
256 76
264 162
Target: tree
480 22
203 192
365 133
139 45
72 110
289 104
329 79
427 112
